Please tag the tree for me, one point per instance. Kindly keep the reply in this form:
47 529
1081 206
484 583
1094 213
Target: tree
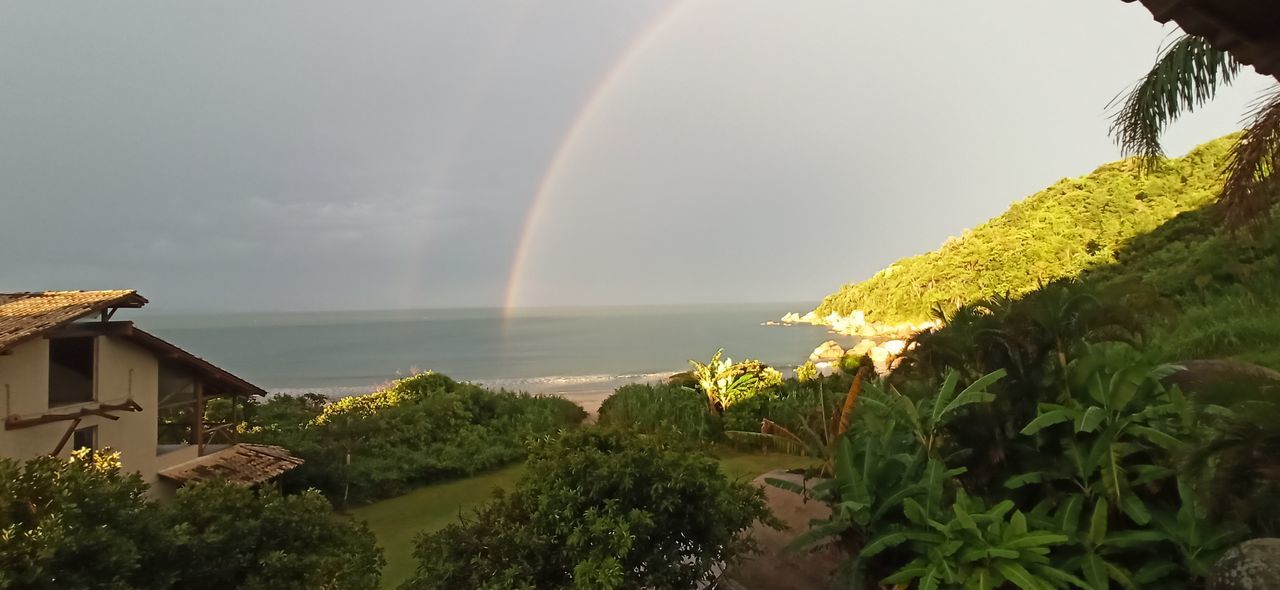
82 524
77 524
1186 75
228 536
599 508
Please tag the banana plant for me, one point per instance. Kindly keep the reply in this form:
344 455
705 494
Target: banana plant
721 381
928 417
1198 540
875 472
1119 421
886 455
974 547
1093 547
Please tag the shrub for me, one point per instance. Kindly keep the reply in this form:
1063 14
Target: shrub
748 414
76 524
725 382
806 372
1104 503
599 508
228 536
417 430
82 524
659 408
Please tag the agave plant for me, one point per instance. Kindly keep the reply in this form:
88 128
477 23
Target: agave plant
1188 74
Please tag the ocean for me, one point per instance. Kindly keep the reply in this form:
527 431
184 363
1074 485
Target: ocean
563 350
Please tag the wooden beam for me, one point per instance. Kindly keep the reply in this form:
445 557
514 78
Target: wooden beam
15 423
66 436
198 427
85 330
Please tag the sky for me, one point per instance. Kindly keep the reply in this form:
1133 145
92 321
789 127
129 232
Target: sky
311 154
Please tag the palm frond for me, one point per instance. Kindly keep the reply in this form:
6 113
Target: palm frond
1186 75
1252 183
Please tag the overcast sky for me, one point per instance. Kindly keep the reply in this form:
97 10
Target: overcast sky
334 155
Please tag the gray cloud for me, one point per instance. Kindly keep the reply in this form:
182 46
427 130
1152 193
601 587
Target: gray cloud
336 155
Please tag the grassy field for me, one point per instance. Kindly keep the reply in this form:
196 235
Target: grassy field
398 520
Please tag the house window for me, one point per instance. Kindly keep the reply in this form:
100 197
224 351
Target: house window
70 371
85 438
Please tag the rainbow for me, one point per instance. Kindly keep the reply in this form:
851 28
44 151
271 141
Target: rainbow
564 150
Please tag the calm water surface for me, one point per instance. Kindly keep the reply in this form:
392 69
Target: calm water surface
536 350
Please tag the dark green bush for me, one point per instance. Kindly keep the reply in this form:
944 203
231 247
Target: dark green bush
77 524
417 430
82 524
599 508
229 536
748 414
660 408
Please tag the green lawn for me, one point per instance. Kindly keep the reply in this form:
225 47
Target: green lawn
398 520
737 464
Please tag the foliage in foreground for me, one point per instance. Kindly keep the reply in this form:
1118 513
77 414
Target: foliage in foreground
599 508
415 431
1093 491
82 524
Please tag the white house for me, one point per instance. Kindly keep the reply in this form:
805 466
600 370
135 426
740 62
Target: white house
71 377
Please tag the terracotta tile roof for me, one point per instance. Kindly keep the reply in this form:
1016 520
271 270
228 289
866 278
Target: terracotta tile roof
244 464
25 315
1248 29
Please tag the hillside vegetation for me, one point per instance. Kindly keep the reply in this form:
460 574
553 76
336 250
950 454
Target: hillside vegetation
1062 231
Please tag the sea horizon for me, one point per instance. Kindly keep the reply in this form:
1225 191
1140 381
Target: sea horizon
548 350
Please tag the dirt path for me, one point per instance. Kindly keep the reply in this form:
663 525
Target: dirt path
775 568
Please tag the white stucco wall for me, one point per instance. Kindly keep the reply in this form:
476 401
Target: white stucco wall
123 370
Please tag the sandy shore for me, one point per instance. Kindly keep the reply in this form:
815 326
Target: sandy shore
589 394
589 397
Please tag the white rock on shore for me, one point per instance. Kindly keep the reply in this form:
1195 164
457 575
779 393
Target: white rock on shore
829 351
884 343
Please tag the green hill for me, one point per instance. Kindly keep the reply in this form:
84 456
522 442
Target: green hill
1062 231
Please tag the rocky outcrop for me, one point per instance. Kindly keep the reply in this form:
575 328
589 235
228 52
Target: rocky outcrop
895 347
884 356
884 343
1252 565
827 352
862 348
856 324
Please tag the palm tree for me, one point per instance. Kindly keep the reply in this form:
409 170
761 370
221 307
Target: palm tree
1188 74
